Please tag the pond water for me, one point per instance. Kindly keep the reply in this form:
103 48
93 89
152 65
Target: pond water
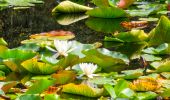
17 25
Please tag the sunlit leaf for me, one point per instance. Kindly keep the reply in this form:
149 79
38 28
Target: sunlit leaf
107 12
134 24
163 66
36 67
3 42
40 86
166 93
132 74
99 58
29 97
70 7
145 84
145 96
67 19
63 77
82 89
7 86
160 34
52 97
110 90
131 36
148 57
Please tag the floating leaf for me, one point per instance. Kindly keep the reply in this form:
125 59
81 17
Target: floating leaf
7 86
150 19
166 93
36 67
161 49
52 35
107 12
148 57
131 36
145 84
63 77
166 75
145 96
70 7
110 90
52 97
162 66
160 34
29 97
105 25
82 89
132 74
17 54
67 19
40 86
99 58
134 24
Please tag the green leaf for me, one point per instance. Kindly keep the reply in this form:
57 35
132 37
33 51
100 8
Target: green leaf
145 96
132 74
166 75
166 93
111 90
52 97
99 58
107 12
67 19
40 86
17 54
70 7
101 3
36 67
113 3
29 97
120 86
3 42
82 89
102 80
161 33
161 49
164 66
5 69
63 77
105 25
148 57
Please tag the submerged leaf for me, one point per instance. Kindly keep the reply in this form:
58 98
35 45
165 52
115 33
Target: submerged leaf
82 89
107 12
70 7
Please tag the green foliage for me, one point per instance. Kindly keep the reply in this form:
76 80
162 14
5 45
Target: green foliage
70 7
107 12
160 34
40 86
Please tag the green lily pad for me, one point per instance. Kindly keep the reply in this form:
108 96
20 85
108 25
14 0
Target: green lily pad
145 96
107 12
70 7
161 33
101 3
36 67
82 89
161 49
105 25
131 36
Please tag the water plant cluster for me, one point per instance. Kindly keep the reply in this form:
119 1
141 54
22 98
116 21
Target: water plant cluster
54 66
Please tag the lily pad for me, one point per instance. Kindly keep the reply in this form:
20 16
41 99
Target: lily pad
105 25
131 36
82 89
107 12
161 33
36 67
70 7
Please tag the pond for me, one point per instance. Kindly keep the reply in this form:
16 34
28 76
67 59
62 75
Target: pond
127 54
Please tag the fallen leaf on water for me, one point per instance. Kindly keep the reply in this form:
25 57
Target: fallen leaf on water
134 24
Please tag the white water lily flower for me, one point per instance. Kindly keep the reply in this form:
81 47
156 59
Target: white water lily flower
88 69
62 47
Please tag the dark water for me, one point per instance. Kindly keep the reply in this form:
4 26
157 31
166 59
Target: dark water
17 25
